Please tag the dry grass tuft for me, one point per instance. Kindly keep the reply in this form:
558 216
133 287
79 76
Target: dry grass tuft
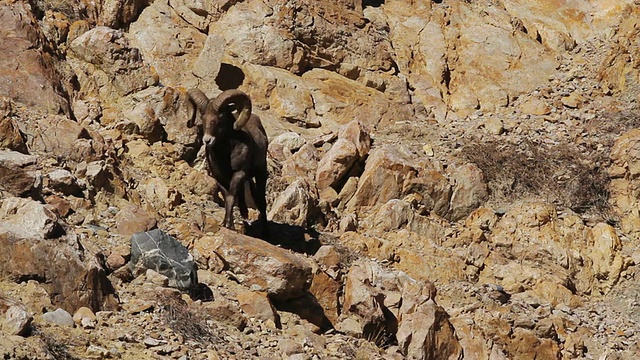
565 174
54 348
187 322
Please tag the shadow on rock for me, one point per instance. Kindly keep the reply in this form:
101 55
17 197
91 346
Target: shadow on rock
292 237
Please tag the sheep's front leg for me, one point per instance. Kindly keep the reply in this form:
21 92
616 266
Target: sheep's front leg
230 198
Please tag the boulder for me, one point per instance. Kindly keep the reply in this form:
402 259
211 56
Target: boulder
550 249
335 164
162 253
303 163
160 194
606 255
257 264
172 110
250 38
377 300
118 13
256 304
296 205
133 219
18 172
59 317
226 311
625 157
381 179
469 190
34 247
85 318
325 289
62 181
15 319
426 333
28 219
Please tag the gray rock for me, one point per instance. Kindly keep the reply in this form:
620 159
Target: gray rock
164 254
17 321
59 317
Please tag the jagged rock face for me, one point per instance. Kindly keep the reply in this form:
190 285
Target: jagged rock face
107 66
36 73
31 237
164 254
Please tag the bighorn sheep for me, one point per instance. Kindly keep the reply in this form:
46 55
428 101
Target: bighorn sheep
236 150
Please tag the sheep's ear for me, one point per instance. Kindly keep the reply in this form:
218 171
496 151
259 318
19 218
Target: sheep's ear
199 99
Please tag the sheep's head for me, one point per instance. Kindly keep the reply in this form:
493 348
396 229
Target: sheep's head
219 115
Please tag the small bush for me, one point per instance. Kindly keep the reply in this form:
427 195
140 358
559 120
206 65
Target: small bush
185 321
562 173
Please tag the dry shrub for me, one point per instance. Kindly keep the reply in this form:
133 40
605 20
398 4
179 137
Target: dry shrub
183 320
54 347
565 174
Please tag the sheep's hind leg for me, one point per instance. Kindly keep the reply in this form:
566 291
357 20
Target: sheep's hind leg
260 198
230 198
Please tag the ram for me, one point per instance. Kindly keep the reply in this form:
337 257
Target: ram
236 150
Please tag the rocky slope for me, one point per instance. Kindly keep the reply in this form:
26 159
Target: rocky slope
448 180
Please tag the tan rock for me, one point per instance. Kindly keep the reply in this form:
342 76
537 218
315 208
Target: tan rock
64 261
10 136
469 190
291 103
66 138
257 305
295 205
535 106
326 291
160 194
482 218
118 13
268 46
226 311
18 172
493 125
303 163
85 318
15 319
28 219
133 219
258 264
357 134
607 259
625 155
427 334
379 181
336 163
556 294
573 100
433 189
528 345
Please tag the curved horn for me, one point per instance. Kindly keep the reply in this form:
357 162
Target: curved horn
242 101
199 98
